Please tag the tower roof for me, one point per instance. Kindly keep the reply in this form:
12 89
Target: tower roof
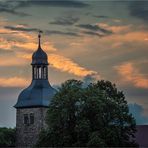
39 56
40 92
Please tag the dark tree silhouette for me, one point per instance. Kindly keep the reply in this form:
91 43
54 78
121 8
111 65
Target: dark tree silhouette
96 115
7 137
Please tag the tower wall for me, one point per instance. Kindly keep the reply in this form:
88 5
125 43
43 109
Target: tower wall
27 133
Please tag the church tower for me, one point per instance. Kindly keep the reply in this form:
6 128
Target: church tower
33 101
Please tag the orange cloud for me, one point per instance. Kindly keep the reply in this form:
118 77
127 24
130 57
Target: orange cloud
5 44
131 74
115 29
13 82
12 61
16 34
66 64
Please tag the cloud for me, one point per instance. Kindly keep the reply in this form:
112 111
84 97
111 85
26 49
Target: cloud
20 35
55 32
20 28
52 3
4 51
69 20
138 113
12 61
67 65
48 32
93 33
13 82
6 7
91 78
101 16
11 51
139 9
116 28
132 75
29 45
95 28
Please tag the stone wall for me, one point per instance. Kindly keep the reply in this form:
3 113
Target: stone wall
27 135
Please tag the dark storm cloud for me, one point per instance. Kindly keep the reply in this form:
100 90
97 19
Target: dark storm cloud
7 7
101 16
52 32
139 9
92 33
11 11
94 28
70 20
52 3
137 111
48 32
22 29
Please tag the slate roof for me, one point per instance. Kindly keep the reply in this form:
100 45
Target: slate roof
38 94
39 57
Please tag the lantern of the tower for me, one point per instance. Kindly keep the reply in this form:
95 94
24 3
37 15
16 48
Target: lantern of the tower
39 63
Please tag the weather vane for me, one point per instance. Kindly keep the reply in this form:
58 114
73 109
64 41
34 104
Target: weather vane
40 31
39 36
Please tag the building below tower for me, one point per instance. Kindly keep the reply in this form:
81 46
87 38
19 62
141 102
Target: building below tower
30 121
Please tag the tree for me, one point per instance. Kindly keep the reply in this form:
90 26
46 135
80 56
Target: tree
7 137
96 115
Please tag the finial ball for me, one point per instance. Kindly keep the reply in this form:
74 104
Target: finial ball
39 35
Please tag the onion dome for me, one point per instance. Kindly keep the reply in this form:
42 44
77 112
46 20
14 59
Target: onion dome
39 56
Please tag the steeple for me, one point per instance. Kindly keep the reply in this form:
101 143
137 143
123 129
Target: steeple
39 92
33 101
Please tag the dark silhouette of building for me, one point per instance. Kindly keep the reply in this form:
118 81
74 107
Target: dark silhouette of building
33 101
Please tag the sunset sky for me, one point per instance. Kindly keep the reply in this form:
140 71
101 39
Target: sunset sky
84 39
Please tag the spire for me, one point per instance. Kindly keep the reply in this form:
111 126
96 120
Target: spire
39 37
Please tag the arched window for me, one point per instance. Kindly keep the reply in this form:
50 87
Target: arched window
45 73
34 73
40 73
31 118
26 119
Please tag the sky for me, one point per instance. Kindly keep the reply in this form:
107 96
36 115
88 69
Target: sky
83 39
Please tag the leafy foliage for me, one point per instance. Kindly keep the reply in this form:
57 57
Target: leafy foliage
7 137
93 116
